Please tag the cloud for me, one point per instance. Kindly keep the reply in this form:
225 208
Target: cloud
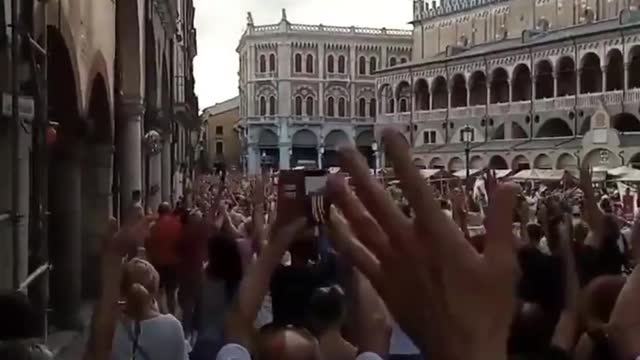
220 27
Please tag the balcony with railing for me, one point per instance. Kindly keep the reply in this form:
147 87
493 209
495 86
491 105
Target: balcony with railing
305 119
564 103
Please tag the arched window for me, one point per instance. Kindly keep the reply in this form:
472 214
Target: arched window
341 64
362 107
309 106
272 62
263 64
298 63
393 61
362 65
263 106
299 105
373 64
272 105
403 60
331 107
392 106
330 64
403 105
342 107
372 108
309 64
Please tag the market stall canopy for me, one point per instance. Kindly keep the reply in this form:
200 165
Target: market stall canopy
434 173
541 175
625 173
462 174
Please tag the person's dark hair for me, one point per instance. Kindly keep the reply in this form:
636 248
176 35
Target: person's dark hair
610 253
444 205
327 308
136 195
474 207
304 248
164 209
17 316
225 261
531 331
534 231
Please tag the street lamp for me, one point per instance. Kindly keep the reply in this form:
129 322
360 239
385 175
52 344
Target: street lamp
467 138
374 148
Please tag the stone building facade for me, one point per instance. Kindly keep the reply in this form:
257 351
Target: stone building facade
306 89
223 133
119 93
543 84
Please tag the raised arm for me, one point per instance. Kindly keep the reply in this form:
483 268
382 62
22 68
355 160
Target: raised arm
255 286
593 216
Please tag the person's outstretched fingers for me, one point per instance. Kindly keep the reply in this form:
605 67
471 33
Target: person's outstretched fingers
373 196
359 255
499 222
362 223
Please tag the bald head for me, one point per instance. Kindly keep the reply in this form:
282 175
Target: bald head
287 344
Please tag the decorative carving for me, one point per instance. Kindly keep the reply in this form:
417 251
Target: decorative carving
249 18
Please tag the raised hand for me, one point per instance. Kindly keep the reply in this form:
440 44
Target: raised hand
453 302
624 323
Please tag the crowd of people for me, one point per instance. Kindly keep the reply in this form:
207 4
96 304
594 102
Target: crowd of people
397 272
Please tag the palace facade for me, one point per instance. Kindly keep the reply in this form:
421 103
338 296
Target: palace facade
542 84
306 89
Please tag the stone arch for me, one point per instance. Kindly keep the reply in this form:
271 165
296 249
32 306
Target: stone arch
440 93
478 88
634 161
499 86
267 138
544 79
625 122
615 70
304 138
601 157
554 127
458 91
543 161
520 162
336 139
517 131
128 20
364 143
498 162
435 163
498 133
403 96
455 164
99 111
590 74
422 94
99 67
521 83
387 103
304 148
566 76
634 67
477 162
266 91
61 69
566 161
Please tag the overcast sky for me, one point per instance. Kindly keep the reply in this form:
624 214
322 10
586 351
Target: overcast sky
221 23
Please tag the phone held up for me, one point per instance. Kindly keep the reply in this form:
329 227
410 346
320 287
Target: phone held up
303 192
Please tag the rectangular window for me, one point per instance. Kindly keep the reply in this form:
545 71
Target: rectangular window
219 130
429 137
219 148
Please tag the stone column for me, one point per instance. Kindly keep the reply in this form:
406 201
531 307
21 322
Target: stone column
626 76
66 232
285 161
488 93
253 159
604 78
555 85
319 153
96 210
130 148
154 196
578 76
166 169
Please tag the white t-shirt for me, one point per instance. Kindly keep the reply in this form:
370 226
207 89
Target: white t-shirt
161 338
237 352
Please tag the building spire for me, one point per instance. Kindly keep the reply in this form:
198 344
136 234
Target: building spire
284 15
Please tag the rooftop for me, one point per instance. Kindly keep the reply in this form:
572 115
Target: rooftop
285 26
222 107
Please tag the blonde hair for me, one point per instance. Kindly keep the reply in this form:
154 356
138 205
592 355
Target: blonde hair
141 283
